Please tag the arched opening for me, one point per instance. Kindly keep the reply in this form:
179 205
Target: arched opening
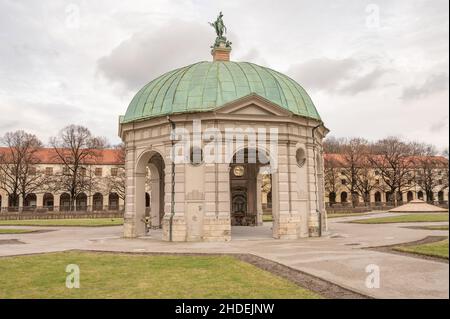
441 197
389 198
344 197
64 202
13 203
409 196
29 202
48 201
113 201
81 202
420 195
97 202
377 198
147 204
399 198
269 199
332 198
150 170
251 186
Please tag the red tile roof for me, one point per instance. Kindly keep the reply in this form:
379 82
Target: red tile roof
50 156
340 159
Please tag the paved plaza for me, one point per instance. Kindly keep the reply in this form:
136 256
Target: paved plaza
340 257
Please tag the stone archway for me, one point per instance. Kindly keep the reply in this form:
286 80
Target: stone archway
377 198
248 167
113 201
409 196
64 202
97 202
48 201
149 168
81 202
30 202
344 197
420 195
157 183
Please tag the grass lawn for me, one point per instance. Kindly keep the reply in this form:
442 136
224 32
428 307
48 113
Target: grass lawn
409 218
109 275
16 231
92 222
437 249
337 215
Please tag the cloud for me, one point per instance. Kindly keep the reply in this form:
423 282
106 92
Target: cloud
434 83
379 80
148 54
344 76
440 125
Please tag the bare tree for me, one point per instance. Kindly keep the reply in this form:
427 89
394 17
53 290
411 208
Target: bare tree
365 180
353 155
333 145
18 174
392 158
77 149
116 182
332 168
429 169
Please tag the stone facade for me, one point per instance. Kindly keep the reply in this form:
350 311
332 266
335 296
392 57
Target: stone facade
198 206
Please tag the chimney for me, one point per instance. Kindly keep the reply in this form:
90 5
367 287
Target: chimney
221 51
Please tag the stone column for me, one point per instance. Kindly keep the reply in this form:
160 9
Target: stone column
154 197
313 222
39 200
216 220
288 219
90 201
259 208
130 226
56 202
174 222
4 204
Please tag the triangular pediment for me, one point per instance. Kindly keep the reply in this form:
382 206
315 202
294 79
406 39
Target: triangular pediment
253 105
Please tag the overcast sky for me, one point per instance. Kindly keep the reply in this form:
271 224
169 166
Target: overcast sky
372 68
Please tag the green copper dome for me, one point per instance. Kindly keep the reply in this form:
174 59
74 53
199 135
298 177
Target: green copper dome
205 86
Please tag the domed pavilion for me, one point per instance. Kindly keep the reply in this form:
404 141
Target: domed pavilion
222 144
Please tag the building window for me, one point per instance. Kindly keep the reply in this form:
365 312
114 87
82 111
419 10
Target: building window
377 181
114 171
196 155
300 156
377 173
65 170
98 171
49 171
343 181
83 171
32 171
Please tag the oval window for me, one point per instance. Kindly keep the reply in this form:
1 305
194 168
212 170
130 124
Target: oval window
196 156
300 157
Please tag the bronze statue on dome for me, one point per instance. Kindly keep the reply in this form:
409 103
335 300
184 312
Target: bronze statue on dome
221 29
